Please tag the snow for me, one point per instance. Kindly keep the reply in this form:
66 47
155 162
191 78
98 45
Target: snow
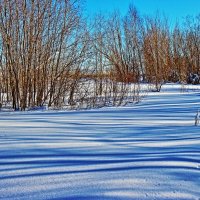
147 151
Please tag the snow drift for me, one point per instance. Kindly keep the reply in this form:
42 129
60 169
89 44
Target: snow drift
149 151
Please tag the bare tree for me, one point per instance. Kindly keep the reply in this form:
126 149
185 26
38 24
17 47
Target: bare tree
157 53
42 45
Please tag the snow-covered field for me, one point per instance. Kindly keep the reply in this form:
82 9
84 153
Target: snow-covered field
147 151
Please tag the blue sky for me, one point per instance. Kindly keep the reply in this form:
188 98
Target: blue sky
174 9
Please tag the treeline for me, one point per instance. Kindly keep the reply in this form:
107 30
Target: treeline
52 55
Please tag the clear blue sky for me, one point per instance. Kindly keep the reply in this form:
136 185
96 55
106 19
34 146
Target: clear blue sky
174 9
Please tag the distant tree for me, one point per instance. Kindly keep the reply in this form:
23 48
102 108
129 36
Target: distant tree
157 51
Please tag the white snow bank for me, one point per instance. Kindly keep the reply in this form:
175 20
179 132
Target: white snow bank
149 151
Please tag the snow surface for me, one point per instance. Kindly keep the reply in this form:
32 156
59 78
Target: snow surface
147 151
